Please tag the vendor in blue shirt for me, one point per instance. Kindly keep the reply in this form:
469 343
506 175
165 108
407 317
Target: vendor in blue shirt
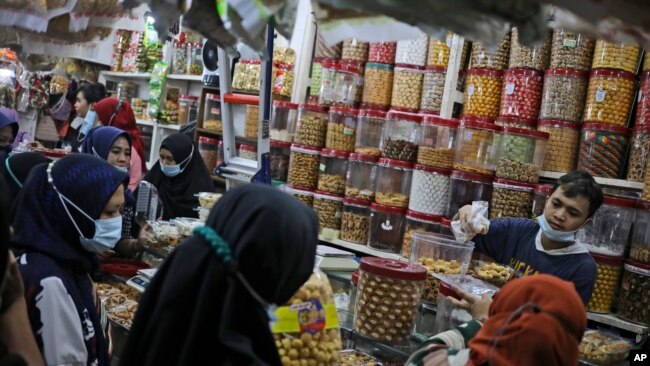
548 244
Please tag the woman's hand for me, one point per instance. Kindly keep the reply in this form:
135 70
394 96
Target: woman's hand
478 307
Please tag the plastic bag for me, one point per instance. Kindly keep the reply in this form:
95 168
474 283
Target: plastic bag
156 85
478 223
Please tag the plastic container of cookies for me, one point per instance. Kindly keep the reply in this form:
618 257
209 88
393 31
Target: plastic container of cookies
511 199
448 315
433 89
370 128
604 293
482 93
311 129
602 349
477 146
633 298
602 149
332 171
304 195
571 51
563 95
400 136
329 208
387 298
382 52
341 129
608 231
535 57
304 166
328 82
640 249
563 144
619 56
496 60
421 223
492 272
437 141
378 86
354 50
541 193
465 188
348 86
386 228
521 93
609 99
643 103
361 176
393 182
639 152
521 154
355 223
283 121
430 190
280 155
407 87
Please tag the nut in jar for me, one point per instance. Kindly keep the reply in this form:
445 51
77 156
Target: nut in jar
535 58
609 271
482 93
303 167
407 87
619 56
571 51
497 60
378 85
609 97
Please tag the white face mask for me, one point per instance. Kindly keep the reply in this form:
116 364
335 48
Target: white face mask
124 169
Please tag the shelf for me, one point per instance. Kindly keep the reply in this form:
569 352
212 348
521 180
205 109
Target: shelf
357 248
238 139
618 183
144 122
185 77
133 75
614 321
241 99
170 127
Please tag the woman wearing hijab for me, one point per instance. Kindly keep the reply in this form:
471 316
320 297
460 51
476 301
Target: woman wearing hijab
8 133
209 300
68 212
16 169
20 135
179 175
535 320
116 113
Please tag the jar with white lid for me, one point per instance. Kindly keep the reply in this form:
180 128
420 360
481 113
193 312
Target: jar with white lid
361 176
477 146
386 228
437 141
400 136
609 229
421 223
511 199
393 182
465 188
370 128
430 190
329 208
283 121
355 223
333 169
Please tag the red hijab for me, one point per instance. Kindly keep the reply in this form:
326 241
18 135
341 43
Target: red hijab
536 320
124 119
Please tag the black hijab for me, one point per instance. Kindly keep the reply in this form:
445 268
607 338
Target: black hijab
194 309
15 170
177 193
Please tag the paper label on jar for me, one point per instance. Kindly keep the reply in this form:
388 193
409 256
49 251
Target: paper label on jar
338 214
449 38
307 317
348 131
470 89
216 111
600 95
510 88
322 167
279 82
570 42
640 96
387 226
366 192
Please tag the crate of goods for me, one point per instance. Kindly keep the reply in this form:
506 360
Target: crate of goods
527 124
600 348
382 52
283 121
496 60
433 89
361 176
563 145
571 51
355 50
430 190
602 149
521 94
511 199
640 249
280 153
535 57
413 51
393 182
341 129
604 293
521 154
477 146
609 97
407 87
370 129
386 228
421 223
311 129
609 229
643 102
333 169
634 300
304 166
304 195
400 136
329 208
482 93
563 96
541 194
465 188
355 223
619 56
639 151
437 142
378 86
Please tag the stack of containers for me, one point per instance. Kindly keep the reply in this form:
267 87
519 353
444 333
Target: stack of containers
565 86
640 143
378 79
410 61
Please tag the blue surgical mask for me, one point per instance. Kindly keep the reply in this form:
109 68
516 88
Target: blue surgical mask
107 233
174 170
555 235
88 123
124 169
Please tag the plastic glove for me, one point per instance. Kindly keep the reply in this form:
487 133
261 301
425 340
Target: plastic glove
471 221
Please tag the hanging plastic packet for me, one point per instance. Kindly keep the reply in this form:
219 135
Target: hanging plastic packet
156 85
477 224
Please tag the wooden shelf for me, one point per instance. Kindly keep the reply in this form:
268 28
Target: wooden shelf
235 98
617 183
364 249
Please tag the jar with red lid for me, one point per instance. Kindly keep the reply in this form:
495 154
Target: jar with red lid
634 301
393 182
511 199
429 190
283 121
438 54
541 193
407 87
348 85
604 293
496 60
388 295
378 86
400 136
563 144
187 107
386 228
282 80
609 97
608 230
412 51
535 57
437 141
208 149
311 129
341 129
248 152
361 175
328 81
355 223
445 227
602 149
521 94
640 249
482 93
304 166
571 51
563 95
316 74
304 195
643 102
280 153
421 223
212 112
370 128
521 154
527 124
619 56
354 50
639 151
333 169
465 188
477 146
433 89
329 208
382 52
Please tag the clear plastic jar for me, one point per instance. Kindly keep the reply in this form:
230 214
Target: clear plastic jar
400 284
602 149
195 59
609 97
438 54
609 229
355 224
465 188
333 169
432 89
421 223
526 124
400 136
378 86
602 348
348 85
283 121
311 128
497 60
448 315
282 80
412 52
429 190
329 208
482 93
643 102
316 74
341 129
382 52
247 152
185 104
180 58
386 228
541 193
354 50
571 51
360 182
535 58
477 146
304 195
328 82
280 153
208 150
640 249
563 144
521 94
634 301
521 154
639 151
407 88
240 75
437 141
370 129
212 112
645 195
604 293
393 182
618 56
304 166
511 199
252 121
563 97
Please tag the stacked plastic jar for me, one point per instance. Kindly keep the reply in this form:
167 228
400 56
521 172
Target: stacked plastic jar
526 124
634 301
646 62
541 193
465 188
412 52
304 166
563 145
400 136
525 57
328 82
511 199
571 51
407 87
316 74
393 182
283 121
609 230
639 152
208 150
437 141
521 154
355 223
347 87
386 227
521 94
333 171
563 96
604 293
420 223
370 129
354 50
643 103
645 195
329 208
312 125
482 93
433 89
609 97
619 56
602 149
280 154
378 86
382 52
438 54
429 190
361 176
304 195
640 249
341 129
497 60
477 146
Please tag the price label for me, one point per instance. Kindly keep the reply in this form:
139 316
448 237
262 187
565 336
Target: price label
570 42
347 131
470 89
600 95
322 167
640 96
510 88
449 41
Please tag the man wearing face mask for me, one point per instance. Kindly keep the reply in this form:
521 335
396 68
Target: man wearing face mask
547 245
